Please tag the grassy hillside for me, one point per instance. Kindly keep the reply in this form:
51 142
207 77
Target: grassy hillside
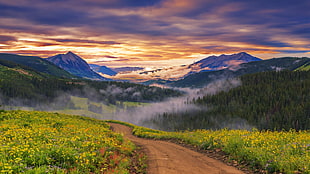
41 142
37 64
265 151
202 79
305 67
86 107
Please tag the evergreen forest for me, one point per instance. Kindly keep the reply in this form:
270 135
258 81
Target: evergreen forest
23 86
274 100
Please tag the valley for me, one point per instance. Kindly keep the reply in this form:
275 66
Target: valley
154 86
233 106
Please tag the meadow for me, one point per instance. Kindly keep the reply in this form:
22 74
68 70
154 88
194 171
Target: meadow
271 151
42 142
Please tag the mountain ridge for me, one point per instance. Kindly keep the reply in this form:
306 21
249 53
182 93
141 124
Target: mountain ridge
202 79
75 65
211 63
225 61
102 69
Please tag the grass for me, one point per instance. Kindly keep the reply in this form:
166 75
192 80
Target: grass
42 142
272 151
82 103
305 67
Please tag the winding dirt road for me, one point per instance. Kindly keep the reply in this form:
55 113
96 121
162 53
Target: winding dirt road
169 158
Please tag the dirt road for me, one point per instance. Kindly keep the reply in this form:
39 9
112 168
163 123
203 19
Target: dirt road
169 158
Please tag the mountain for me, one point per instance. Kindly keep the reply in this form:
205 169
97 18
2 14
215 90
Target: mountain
173 73
75 65
37 63
102 69
224 61
277 64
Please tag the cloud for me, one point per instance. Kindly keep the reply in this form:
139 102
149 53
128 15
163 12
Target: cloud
293 51
4 38
87 41
155 30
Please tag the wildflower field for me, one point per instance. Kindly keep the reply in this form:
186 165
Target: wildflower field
284 151
272 151
42 142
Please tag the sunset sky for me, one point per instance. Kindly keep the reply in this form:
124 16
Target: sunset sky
154 32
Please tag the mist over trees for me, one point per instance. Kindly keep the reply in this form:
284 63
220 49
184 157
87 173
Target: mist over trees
273 100
267 100
26 87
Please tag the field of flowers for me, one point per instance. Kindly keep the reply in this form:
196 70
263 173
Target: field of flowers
42 142
285 151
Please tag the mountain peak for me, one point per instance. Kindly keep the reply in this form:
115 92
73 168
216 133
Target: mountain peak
243 53
70 53
224 61
75 65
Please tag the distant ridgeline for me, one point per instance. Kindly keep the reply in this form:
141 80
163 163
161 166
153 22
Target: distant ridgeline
202 79
21 85
267 100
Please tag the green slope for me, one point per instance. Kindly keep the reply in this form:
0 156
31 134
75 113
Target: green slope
37 64
305 67
19 86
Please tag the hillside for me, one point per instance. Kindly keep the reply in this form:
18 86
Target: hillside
267 100
41 142
202 79
305 67
8 65
33 89
37 64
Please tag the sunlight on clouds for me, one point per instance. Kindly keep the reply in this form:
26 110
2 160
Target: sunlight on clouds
169 32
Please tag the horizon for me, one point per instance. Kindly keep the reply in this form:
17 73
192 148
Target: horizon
154 33
146 68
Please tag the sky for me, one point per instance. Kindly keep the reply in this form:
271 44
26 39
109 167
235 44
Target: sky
155 32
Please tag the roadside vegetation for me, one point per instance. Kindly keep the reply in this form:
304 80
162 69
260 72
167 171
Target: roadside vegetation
270 151
42 142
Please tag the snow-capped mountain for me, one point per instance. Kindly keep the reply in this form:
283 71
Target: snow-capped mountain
75 65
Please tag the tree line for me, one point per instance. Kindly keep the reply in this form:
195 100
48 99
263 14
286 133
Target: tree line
27 87
267 100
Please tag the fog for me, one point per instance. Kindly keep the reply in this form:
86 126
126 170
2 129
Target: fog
151 115
143 115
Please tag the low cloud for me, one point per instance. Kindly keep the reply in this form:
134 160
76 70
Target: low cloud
233 65
141 115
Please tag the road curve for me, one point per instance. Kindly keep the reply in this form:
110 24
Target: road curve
169 158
